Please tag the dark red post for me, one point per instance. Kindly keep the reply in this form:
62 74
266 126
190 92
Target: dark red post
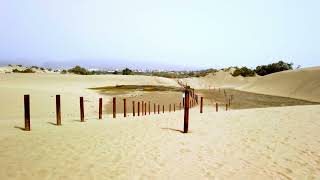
138 108
154 108
186 110
162 108
217 107
145 109
149 107
201 105
100 108
124 108
226 107
26 112
133 109
114 109
81 110
158 108
142 108
58 110
183 102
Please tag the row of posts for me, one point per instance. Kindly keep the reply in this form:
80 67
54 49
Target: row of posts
186 103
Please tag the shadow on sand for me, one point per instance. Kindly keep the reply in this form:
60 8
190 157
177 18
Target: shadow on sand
21 128
171 129
52 123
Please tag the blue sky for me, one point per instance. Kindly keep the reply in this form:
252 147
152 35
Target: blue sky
194 33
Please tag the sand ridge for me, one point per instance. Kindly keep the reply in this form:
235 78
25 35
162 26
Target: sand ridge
301 83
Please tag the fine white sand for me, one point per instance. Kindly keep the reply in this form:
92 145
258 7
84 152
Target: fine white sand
43 88
272 143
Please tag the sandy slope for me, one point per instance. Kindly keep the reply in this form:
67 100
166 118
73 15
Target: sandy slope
301 84
221 79
8 69
43 88
278 143
272 143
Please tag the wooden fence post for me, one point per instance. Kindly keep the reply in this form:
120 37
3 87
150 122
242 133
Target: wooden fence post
217 107
133 109
186 110
124 108
27 112
174 107
226 107
154 108
183 100
201 105
81 110
142 108
58 110
138 108
100 108
162 108
158 108
145 108
149 107
114 109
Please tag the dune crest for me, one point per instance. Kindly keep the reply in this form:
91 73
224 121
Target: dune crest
300 84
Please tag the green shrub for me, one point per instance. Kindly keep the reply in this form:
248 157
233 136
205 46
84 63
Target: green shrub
127 71
79 70
35 67
29 70
243 71
63 71
273 68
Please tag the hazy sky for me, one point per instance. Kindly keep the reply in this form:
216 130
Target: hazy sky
198 33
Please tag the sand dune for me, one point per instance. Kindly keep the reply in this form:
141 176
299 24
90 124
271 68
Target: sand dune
300 83
8 69
266 143
272 143
221 79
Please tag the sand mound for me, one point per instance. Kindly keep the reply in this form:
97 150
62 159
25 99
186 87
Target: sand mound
300 83
10 68
220 79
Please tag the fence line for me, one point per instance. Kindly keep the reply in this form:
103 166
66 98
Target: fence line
189 100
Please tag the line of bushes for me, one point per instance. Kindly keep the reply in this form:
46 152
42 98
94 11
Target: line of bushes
262 70
28 70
